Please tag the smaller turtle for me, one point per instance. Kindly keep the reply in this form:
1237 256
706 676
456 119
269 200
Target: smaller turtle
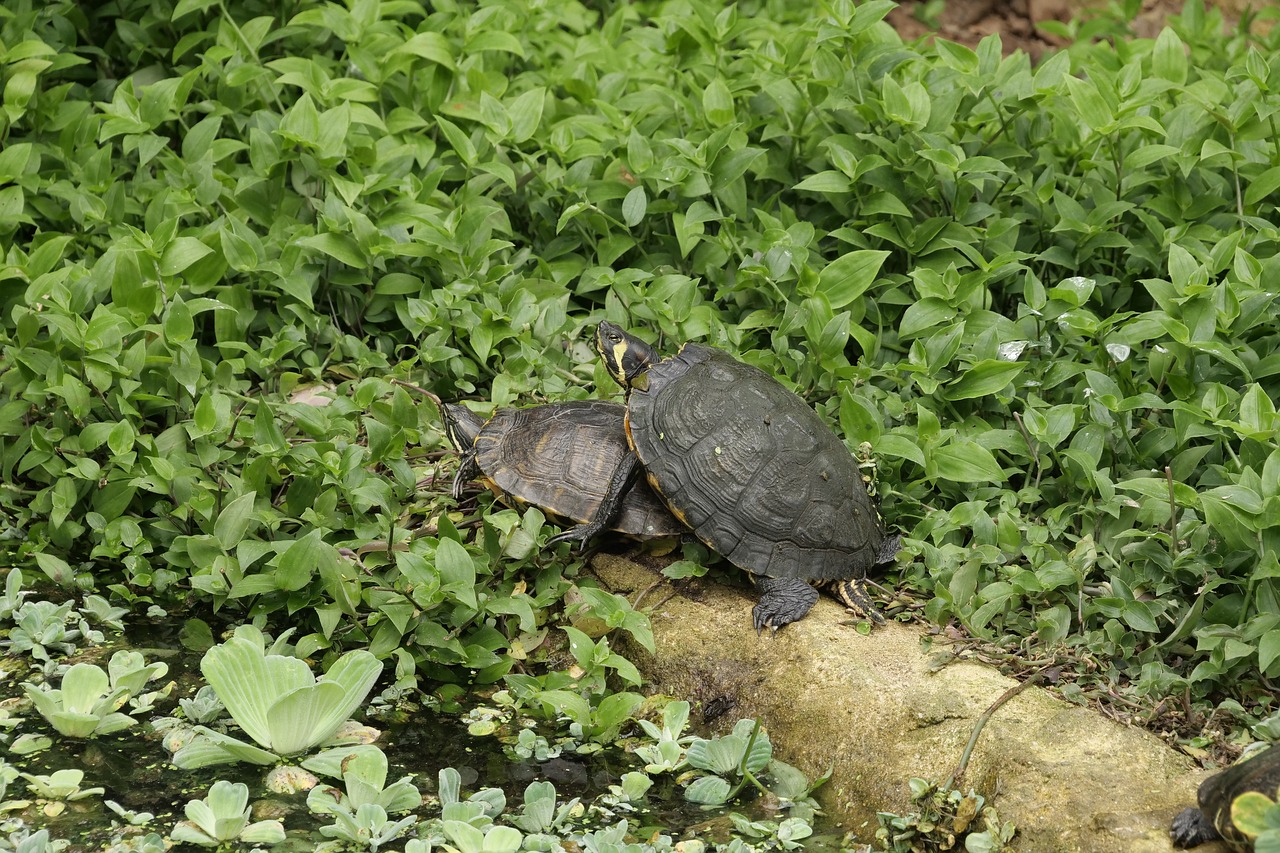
556 457
1212 820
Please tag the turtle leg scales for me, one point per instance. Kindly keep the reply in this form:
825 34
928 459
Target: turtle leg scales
782 601
853 595
1191 828
624 477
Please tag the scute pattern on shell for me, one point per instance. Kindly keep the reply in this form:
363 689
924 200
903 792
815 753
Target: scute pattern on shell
752 468
560 457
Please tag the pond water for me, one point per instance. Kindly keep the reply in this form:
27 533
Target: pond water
133 770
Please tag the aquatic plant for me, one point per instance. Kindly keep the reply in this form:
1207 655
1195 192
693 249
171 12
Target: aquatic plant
25 841
59 788
667 752
88 702
13 594
945 816
204 707
540 816
276 700
364 777
368 827
223 817
466 838
41 627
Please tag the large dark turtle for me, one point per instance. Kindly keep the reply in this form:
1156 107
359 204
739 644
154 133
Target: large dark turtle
557 457
1212 820
751 468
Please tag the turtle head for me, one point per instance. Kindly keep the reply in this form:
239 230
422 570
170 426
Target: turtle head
461 425
626 357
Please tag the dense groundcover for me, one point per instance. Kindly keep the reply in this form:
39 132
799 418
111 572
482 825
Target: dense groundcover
1046 295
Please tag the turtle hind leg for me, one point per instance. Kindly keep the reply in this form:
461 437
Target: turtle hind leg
782 601
852 593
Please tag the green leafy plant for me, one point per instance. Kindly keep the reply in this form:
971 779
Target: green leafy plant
276 700
89 700
222 818
41 627
26 841
667 752
465 838
946 817
62 785
13 595
541 817
364 776
204 707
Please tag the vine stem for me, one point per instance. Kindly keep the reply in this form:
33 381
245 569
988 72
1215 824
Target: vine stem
982 722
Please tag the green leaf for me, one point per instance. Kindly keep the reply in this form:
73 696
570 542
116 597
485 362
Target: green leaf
182 253
1169 57
717 103
634 206
496 40
340 247
1262 186
457 571
525 113
1252 813
983 379
431 46
302 121
303 559
233 521
1269 653
1090 104
186 7
849 276
963 461
708 791
829 181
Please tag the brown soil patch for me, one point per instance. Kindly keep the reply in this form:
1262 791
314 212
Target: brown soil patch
968 22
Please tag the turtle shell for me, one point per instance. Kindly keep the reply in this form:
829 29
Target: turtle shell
1212 820
752 469
560 457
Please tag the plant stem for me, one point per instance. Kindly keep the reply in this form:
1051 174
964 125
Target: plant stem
982 722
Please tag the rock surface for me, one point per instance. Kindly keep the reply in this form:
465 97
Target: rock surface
868 708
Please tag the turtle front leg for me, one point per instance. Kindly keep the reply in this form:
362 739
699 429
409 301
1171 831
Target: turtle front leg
624 477
468 470
782 601
1191 829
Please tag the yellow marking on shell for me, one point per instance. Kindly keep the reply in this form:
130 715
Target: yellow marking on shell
718 451
657 490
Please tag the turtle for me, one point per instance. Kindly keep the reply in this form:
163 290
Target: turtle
1212 820
555 457
751 468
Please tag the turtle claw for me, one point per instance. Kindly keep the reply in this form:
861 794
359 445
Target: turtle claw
582 533
782 601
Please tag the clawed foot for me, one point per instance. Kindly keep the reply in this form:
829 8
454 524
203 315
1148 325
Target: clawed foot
1191 829
782 601
581 534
